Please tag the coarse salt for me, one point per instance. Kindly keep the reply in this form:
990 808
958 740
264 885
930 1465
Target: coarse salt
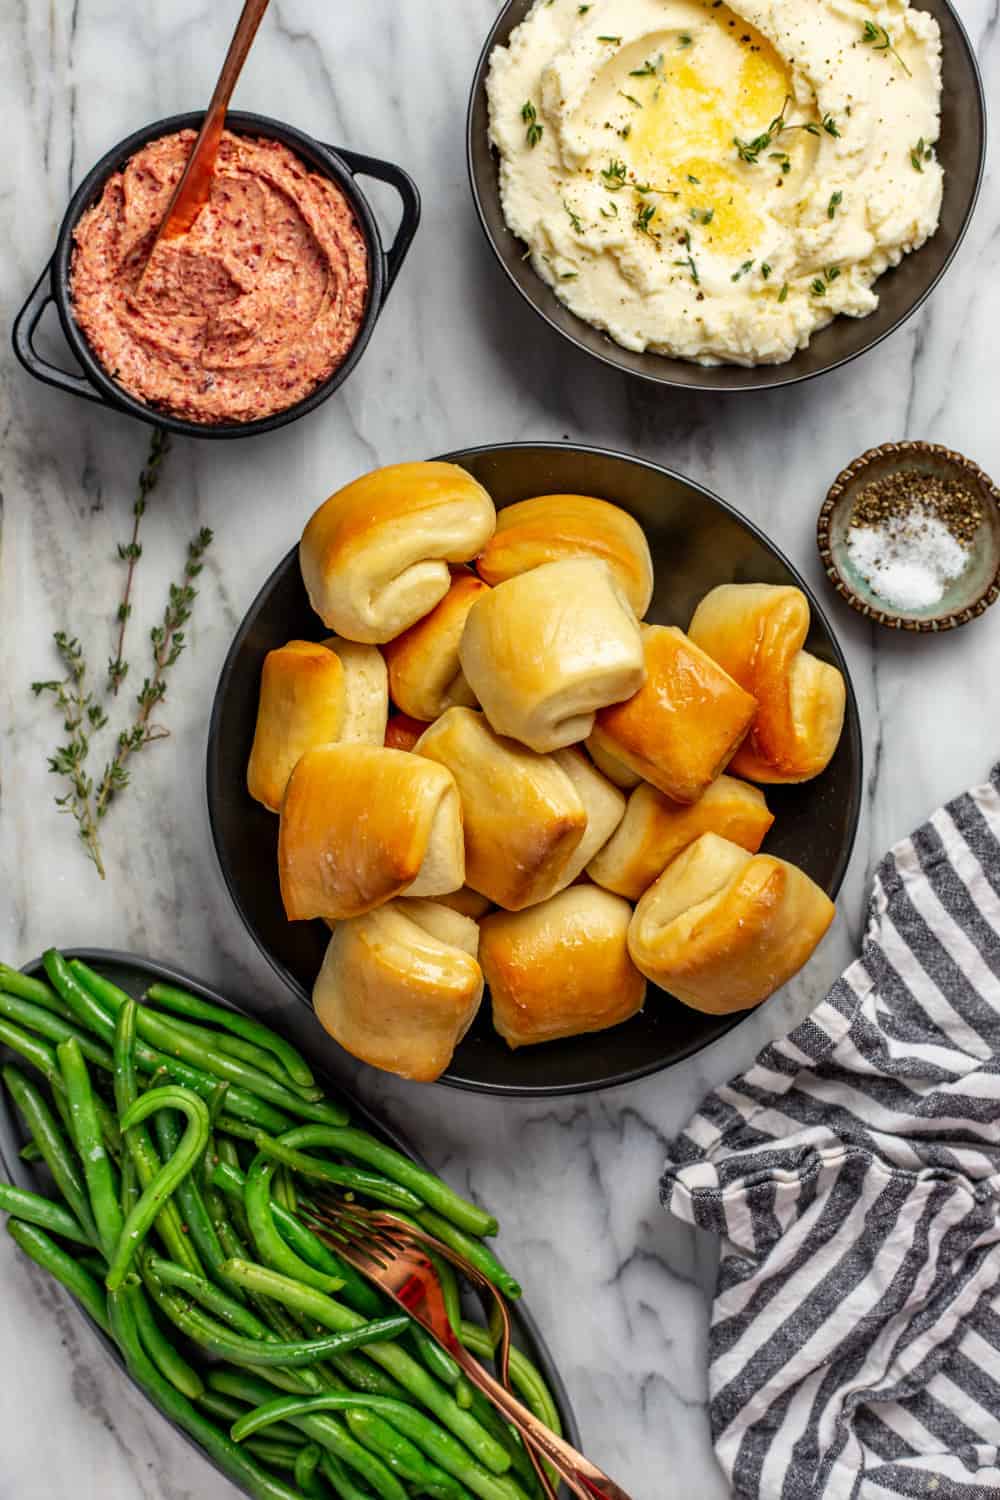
907 560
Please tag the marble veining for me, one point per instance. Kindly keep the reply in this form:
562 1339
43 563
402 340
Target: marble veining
457 359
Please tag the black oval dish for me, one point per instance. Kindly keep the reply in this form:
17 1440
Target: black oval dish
697 541
342 166
134 975
961 151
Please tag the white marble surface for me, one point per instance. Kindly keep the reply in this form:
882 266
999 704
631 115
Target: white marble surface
456 360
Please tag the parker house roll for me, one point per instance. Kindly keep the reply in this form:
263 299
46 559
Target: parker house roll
313 694
610 766
402 732
531 821
561 968
756 632
361 824
546 649
400 986
375 556
424 672
655 830
549 527
722 928
679 731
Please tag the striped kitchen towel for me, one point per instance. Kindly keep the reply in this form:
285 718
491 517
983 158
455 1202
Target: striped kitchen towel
853 1175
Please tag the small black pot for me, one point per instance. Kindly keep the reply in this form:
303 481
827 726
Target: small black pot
341 166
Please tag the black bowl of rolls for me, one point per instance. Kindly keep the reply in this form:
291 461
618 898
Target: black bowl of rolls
533 769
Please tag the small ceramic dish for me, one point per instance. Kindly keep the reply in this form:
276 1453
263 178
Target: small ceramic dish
965 597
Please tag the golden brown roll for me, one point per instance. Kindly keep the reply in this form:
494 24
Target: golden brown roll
610 766
424 672
467 902
546 649
402 732
722 929
523 816
375 555
603 803
654 830
756 632
400 987
553 526
302 704
679 731
361 824
561 968
366 691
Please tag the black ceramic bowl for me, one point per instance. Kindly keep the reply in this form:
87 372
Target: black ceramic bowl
135 975
697 541
961 151
342 166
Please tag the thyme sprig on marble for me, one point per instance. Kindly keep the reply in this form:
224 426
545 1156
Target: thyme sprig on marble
83 716
131 551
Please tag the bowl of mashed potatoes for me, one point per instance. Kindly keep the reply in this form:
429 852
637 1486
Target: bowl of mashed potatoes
723 196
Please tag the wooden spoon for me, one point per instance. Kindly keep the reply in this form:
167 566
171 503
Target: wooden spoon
191 193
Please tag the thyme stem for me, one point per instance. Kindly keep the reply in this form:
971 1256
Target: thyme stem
131 551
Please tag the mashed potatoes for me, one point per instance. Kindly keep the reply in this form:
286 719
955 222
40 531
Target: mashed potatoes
716 184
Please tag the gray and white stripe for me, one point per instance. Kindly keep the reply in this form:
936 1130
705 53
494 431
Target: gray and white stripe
853 1175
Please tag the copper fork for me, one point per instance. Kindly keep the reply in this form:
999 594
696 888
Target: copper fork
394 1254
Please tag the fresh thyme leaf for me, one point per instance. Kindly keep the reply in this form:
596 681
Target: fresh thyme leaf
613 175
568 275
744 268
831 273
574 218
830 125
529 115
920 153
685 39
644 216
648 69
818 287
631 98
694 271
836 199
582 10
783 294
615 40
879 40
703 215
611 212
695 180
765 269
686 239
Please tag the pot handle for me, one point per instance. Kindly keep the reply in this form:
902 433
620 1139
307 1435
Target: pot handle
25 324
387 171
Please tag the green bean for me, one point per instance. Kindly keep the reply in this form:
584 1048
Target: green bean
188 1198
162 1352
160 1032
358 1143
49 1024
480 1255
170 1174
56 1150
438 1445
86 1008
47 1254
35 1209
129 1186
390 1357
354 1179
185 1004
328 1431
527 1380
139 1143
401 1455
307 1461
35 990
271 1248
437 1360
356 1292
76 980
30 1153
285 1190
225 1454
340 1479
278 1455
90 1146
228 1410
234 1046
223 1344
207 1295
37 1053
